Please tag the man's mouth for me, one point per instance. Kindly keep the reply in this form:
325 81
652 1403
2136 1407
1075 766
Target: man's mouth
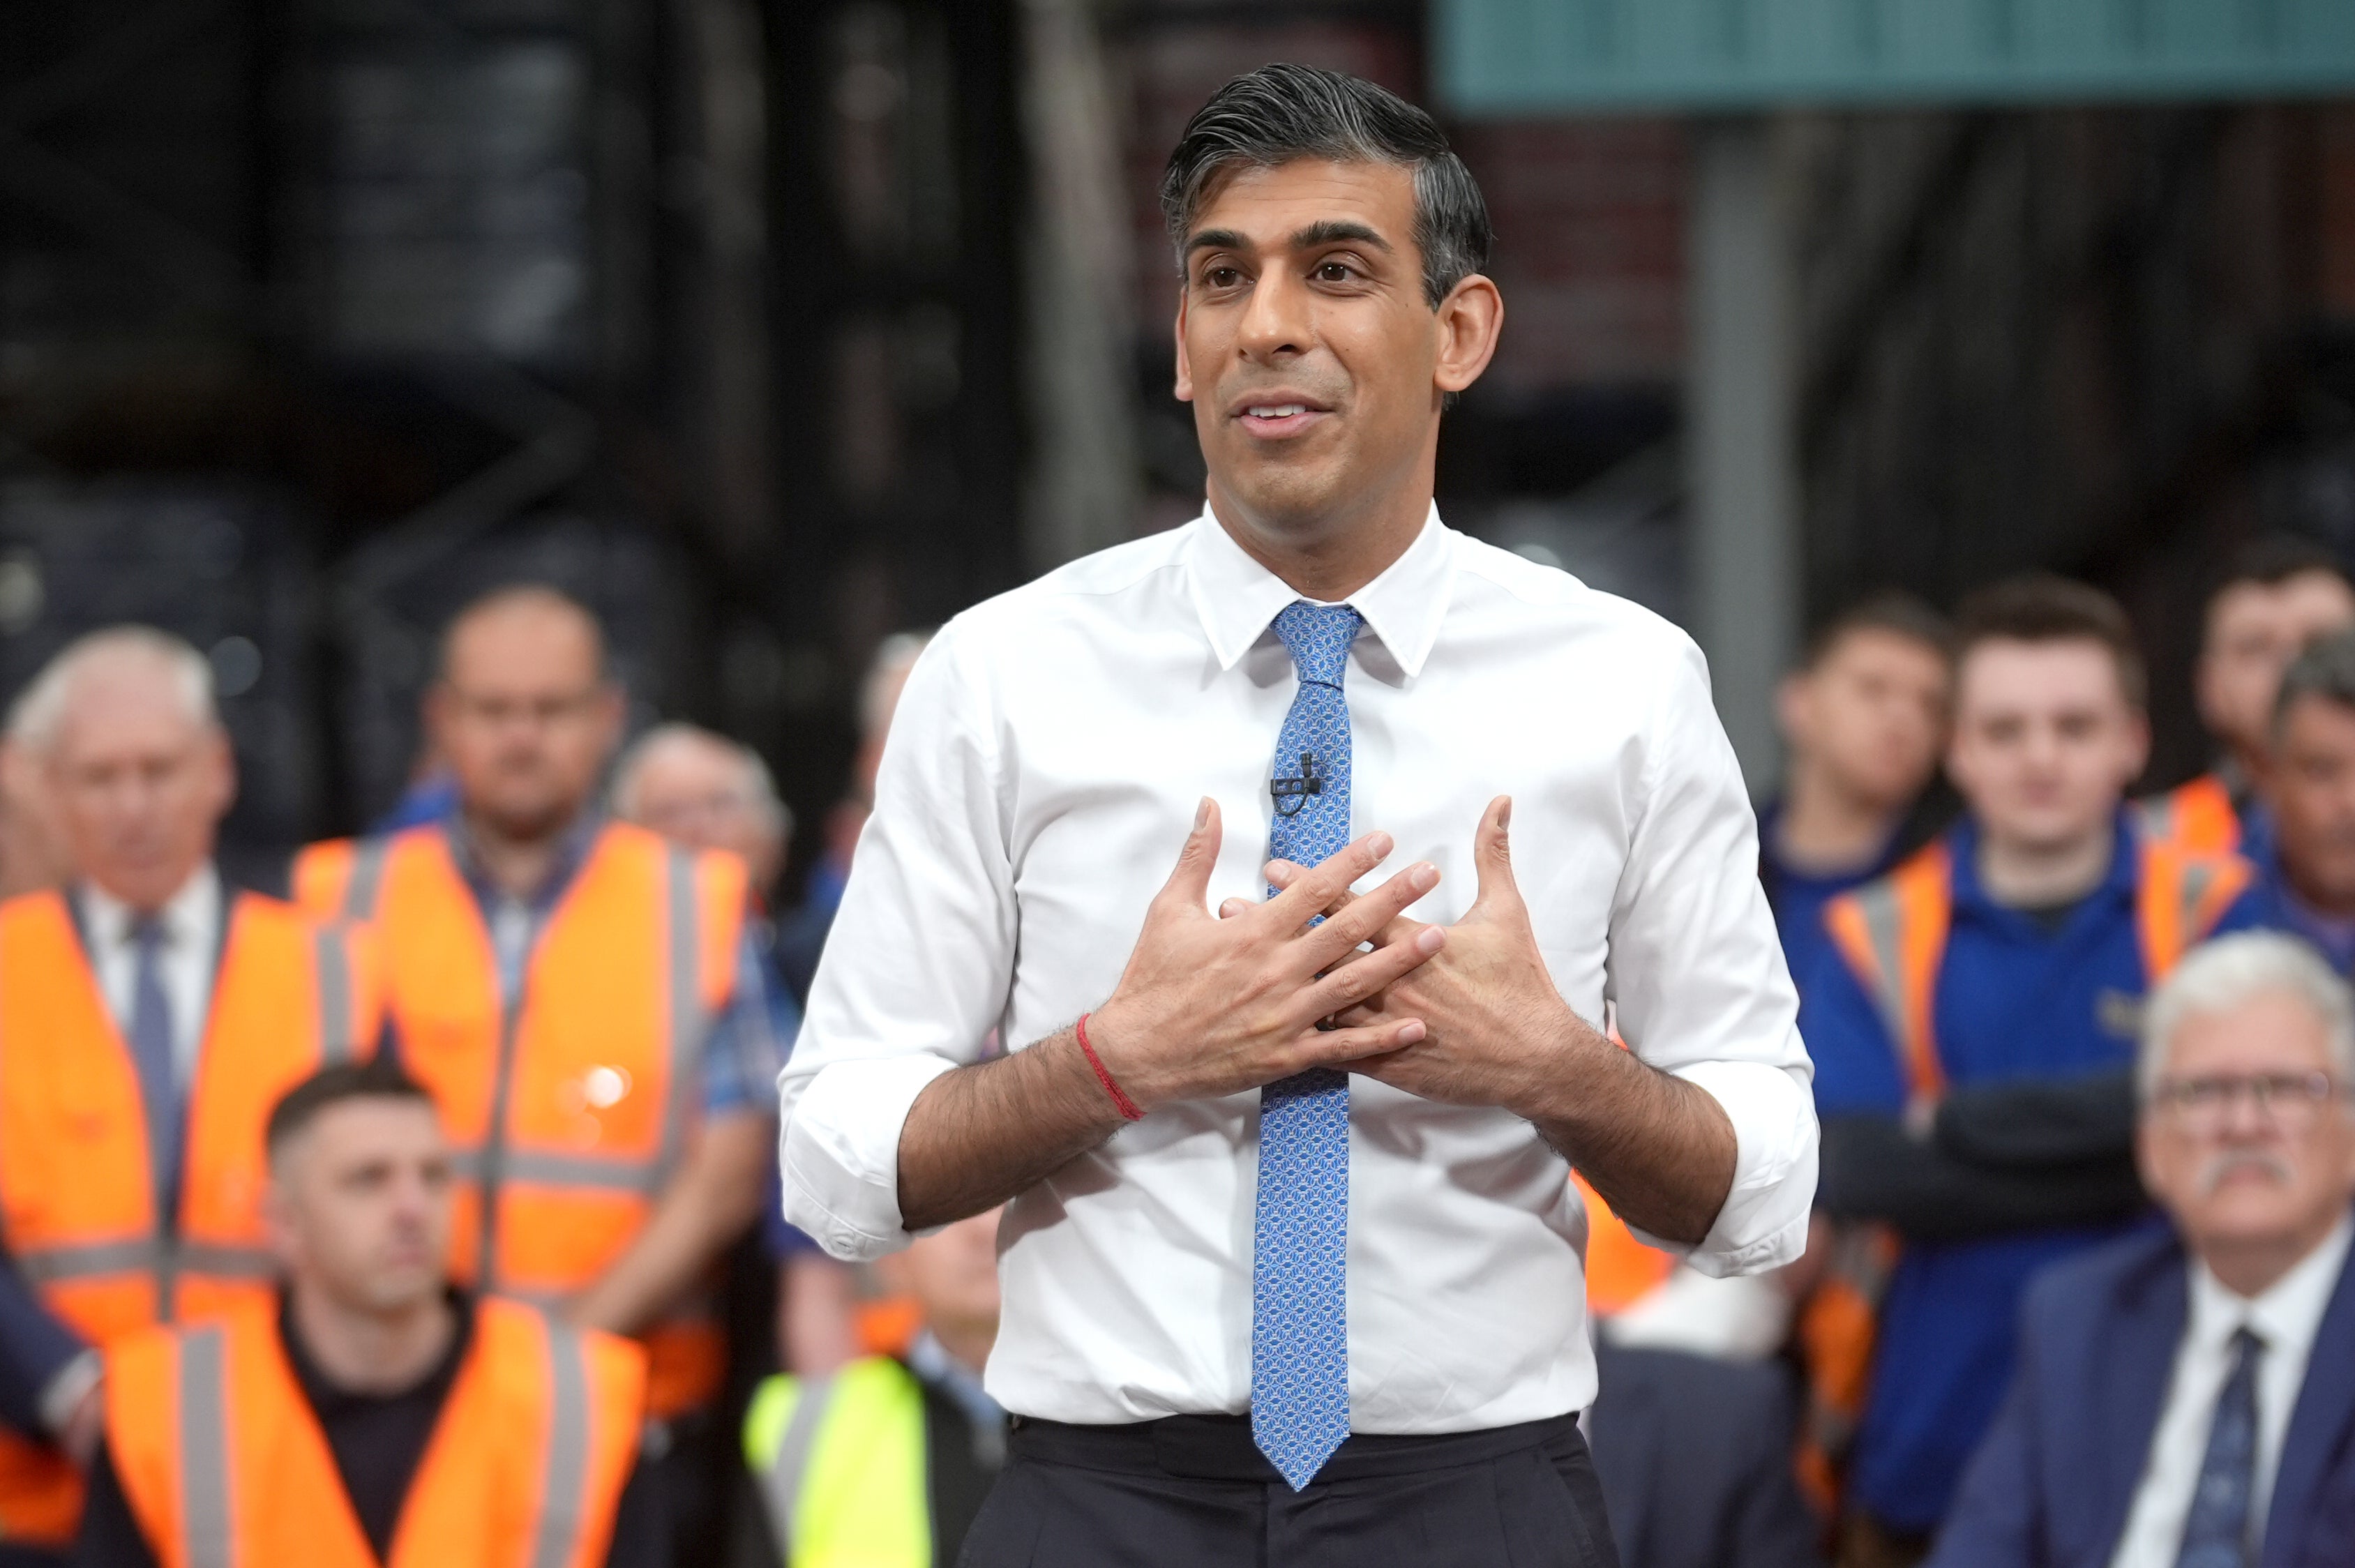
1278 418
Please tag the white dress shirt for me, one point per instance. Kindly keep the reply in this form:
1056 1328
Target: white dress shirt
1042 772
191 947
2285 1318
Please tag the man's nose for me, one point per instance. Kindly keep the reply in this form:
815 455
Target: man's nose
2247 1119
1276 318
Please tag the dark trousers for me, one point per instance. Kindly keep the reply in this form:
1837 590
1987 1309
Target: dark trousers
1194 1489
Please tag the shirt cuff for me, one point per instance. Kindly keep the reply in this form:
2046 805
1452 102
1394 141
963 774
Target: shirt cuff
839 1152
1763 1223
63 1393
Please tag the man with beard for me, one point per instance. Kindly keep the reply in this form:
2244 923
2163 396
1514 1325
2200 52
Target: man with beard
2184 1398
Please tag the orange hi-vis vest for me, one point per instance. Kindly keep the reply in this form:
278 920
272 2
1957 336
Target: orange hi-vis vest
224 1464
1892 933
77 1198
1620 1270
567 1111
2198 817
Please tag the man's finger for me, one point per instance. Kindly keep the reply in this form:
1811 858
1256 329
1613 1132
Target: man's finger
1368 916
1233 907
1492 860
1282 873
1334 1048
1347 984
1189 882
1316 890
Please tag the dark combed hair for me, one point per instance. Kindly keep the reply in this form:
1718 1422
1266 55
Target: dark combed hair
2044 608
379 1078
1280 113
2325 670
1889 610
2271 560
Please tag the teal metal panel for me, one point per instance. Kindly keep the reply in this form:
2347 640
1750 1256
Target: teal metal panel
1505 57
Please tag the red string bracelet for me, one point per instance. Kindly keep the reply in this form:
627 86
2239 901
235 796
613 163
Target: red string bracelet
1126 1106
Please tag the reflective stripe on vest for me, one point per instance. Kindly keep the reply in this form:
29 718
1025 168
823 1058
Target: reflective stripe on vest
564 1484
224 1465
841 1466
781 1478
568 1107
365 878
2198 817
1892 933
205 1511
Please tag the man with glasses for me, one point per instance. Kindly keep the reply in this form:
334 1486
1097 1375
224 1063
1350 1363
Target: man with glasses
581 1000
2184 1398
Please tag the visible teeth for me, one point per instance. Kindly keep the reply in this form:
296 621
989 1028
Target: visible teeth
1279 410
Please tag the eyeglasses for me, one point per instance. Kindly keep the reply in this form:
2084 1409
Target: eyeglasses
2293 1101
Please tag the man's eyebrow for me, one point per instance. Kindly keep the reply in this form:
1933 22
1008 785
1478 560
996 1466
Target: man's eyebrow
1335 231
1217 240
1325 231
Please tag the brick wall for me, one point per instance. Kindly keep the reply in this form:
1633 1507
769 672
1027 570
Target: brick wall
1589 218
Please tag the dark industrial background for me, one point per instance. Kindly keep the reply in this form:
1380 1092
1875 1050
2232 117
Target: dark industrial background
770 329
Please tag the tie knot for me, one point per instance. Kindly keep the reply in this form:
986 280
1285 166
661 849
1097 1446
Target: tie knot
2247 1344
144 932
1318 636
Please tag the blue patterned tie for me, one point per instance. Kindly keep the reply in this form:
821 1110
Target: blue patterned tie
151 1053
1300 1344
2216 1532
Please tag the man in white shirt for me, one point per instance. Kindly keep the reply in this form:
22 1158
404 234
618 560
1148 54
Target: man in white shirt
1322 1301
2186 1398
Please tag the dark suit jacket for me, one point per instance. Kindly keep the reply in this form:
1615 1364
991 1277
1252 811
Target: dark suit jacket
1695 1460
2052 1486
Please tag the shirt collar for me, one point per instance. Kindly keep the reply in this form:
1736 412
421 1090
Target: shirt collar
1236 597
189 917
572 854
2288 1313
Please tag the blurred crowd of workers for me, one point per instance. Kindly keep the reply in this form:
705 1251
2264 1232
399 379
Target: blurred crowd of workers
2074 1290
387 1222
385 1216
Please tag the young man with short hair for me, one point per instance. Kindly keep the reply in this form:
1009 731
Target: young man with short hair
371 1414
1864 717
2280 593
2015 949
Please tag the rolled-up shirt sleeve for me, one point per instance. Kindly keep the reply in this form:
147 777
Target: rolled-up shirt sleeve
916 967
1697 976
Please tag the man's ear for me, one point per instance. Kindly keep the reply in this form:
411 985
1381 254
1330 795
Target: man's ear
1470 320
1185 383
1791 706
2141 733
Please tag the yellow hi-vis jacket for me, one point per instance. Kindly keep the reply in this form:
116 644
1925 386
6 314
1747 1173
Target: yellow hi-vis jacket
840 1463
